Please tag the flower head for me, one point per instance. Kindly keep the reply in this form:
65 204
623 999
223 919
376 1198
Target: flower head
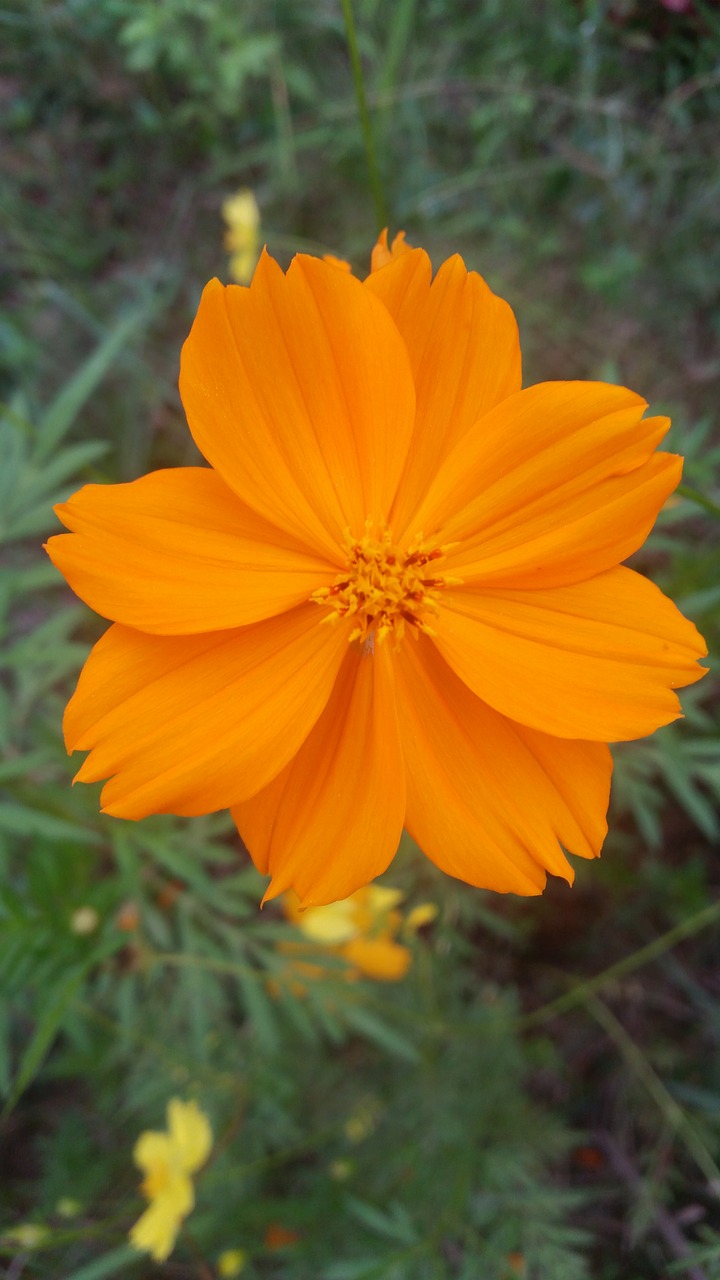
231 1262
168 1160
395 598
362 929
242 218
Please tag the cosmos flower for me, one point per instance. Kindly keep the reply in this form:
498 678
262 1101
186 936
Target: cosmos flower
242 238
394 598
362 930
168 1160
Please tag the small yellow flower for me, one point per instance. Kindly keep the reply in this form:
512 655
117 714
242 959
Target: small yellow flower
362 1122
29 1235
231 1262
424 913
84 920
167 1160
66 1207
242 217
361 929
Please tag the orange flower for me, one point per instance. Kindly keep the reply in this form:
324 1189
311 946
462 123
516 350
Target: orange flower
393 600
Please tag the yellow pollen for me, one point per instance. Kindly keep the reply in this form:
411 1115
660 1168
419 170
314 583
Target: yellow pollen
386 589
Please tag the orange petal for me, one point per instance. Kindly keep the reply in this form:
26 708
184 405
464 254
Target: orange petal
378 958
597 660
464 352
190 724
178 553
341 263
298 391
332 820
554 485
490 801
382 254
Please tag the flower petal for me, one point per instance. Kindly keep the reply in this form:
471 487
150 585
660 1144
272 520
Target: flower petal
190 1134
332 820
157 1229
597 660
298 391
556 484
464 352
153 1150
177 553
191 724
382 253
378 958
490 801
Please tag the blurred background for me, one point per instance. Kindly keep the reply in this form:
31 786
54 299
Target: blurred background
537 1095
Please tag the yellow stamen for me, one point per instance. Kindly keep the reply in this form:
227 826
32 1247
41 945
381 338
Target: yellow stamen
386 589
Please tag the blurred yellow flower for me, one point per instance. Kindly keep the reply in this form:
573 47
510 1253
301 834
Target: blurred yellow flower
242 240
167 1160
361 929
231 1262
66 1207
420 916
84 920
362 1122
28 1235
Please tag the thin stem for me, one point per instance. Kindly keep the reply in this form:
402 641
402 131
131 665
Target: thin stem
693 495
671 1110
582 991
373 170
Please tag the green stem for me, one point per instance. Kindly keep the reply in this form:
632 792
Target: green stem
583 991
374 172
693 495
673 1113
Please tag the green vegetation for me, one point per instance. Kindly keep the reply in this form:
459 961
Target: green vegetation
500 1113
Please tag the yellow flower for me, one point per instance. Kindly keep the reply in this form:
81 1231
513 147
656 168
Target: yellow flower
242 216
29 1235
361 929
167 1160
84 920
396 596
420 916
231 1262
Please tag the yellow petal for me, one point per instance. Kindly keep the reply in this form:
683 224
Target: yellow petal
420 916
464 352
191 724
178 553
598 660
378 958
156 1231
381 899
328 925
298 391
152 1151
490 801
333 819
190 1134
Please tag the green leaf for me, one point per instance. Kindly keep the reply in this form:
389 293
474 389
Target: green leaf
380 1033
20 821
46 1029
109 1265
63 412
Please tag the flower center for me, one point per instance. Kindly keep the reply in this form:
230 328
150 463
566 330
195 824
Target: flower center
157 1179
384 588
